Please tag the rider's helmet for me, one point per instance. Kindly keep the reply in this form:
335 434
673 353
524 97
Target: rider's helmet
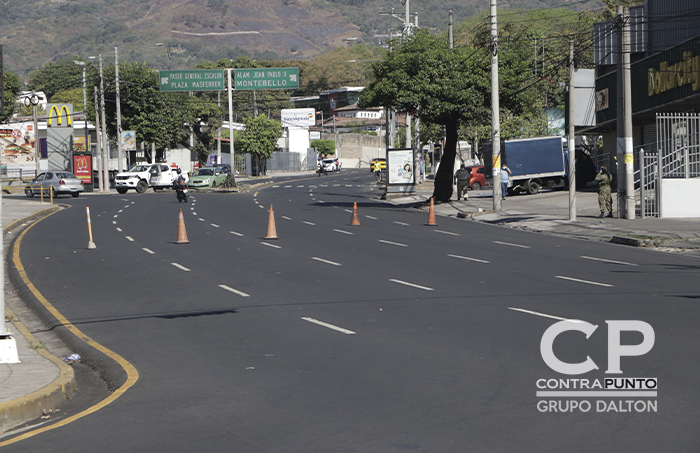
179 171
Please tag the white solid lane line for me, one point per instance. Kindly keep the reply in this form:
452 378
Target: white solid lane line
325 261
446 232
469 259
237 234
330 326
271 245
393 243
149 251
233 290
512 245
342 231
544 315
180 266
401 282
608 261
583 281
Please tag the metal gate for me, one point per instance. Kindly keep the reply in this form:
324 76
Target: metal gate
677 155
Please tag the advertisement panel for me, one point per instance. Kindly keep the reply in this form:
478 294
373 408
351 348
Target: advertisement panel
129 140
17 143
79 144
299 117
401 177
82 167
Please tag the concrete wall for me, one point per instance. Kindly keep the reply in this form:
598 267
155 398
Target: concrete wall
357 150
679 198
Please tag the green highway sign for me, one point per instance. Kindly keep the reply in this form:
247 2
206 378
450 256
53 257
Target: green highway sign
267 79
193 80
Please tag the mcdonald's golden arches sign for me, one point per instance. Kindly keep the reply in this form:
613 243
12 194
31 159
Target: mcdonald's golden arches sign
59 115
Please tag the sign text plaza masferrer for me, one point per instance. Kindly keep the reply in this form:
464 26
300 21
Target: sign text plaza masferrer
193 80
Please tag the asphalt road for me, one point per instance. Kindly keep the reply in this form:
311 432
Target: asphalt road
388 336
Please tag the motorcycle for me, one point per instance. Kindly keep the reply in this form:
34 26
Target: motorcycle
180 190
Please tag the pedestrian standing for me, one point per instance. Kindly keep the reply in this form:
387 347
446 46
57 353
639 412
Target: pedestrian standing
505 177
462 180
604 181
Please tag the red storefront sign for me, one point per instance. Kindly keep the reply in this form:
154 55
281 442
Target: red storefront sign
82 168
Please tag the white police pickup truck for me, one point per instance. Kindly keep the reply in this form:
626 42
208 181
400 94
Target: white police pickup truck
141 177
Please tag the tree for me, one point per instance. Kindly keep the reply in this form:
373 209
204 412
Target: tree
438 84
259 138
11 85
73 96
57 76
324 147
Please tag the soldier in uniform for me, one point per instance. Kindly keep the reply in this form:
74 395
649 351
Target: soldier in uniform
462 179
604 180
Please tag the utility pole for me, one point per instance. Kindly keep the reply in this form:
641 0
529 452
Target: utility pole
619 167
627 108
120 165
572 137
105 147
100 161
450 35
495 107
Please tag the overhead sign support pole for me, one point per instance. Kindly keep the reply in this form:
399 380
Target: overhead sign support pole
230 126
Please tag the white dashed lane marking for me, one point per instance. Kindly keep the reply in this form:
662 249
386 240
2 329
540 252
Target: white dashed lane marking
330 326
325 261
512 245
608 261
393 243
469 259
583 281
233 290
180 266
413 285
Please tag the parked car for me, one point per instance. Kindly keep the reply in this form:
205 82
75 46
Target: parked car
225 167
143 176
207 177
382 163
58 182
477 177
330 164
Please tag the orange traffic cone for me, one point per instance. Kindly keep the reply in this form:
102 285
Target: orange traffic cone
181 233
355 218
431 214
271 230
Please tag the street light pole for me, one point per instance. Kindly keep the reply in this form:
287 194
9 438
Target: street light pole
82 65
119 111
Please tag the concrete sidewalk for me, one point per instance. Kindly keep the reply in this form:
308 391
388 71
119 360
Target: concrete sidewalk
40 382
548 212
